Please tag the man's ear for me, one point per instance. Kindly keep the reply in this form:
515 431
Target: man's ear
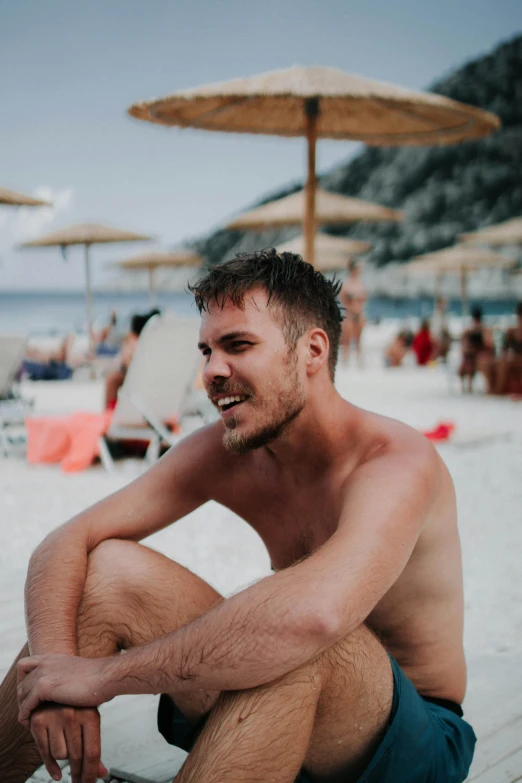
318 349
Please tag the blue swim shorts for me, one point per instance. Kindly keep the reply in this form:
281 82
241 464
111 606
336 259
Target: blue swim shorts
426 742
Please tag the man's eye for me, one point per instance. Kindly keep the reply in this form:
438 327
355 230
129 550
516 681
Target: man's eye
239 343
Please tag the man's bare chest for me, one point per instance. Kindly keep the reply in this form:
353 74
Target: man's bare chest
292 521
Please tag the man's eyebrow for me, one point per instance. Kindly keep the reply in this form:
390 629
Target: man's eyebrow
228 336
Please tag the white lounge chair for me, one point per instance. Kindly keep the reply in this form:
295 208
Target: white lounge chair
12 348
159 386
13 407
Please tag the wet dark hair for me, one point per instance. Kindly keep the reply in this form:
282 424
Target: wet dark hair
139 320
301 297
476 313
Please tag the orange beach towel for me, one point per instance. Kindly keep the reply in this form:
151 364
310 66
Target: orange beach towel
71 440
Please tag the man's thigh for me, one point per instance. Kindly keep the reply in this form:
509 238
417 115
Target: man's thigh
354 707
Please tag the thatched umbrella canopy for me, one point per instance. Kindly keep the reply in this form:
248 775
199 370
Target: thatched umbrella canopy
86 234
151 260
317 103
330 252
330 209
507 233
458 259
11 198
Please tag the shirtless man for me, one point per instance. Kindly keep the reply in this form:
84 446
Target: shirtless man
311 674
353 299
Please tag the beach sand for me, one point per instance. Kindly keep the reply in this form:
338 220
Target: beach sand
484 458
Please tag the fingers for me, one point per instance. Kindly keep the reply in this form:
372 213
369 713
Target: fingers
73 737
26 665
41 738
91 752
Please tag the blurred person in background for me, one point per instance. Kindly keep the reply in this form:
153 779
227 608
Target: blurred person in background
353 298
508 370
423 344
108 340
398 348
478 353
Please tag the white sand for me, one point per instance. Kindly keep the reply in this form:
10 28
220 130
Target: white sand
484 458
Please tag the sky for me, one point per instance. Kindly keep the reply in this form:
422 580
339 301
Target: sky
70 71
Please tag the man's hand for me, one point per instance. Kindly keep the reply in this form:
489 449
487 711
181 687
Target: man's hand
65 679
69 733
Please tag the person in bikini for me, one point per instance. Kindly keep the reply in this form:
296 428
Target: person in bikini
353 298
508 375
478 352
347 662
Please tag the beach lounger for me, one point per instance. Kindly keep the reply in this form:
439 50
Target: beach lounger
12 348
159 388
13 407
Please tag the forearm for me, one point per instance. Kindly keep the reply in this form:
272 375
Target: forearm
53 591
252 638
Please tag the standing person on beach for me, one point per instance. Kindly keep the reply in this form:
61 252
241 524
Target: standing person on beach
347 663
353 298
478 353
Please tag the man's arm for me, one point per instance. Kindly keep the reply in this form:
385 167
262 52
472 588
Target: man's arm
58 567
283 621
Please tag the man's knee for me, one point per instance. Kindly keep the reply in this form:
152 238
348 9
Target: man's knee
112 585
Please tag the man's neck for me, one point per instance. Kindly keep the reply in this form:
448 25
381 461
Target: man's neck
317 438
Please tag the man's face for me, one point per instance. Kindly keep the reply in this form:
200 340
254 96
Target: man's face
250 374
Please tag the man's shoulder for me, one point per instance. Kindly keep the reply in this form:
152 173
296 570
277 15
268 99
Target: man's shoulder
202 452
397 442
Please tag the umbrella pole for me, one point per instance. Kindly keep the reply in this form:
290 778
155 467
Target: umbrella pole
311 108
464 291
88 301
151 286
436 293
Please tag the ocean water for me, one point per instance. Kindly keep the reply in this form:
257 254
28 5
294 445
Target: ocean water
62 313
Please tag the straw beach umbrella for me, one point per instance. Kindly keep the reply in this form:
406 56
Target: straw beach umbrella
318 102
11 198
151 260
507 233
331 252
86 234
459 259
330 209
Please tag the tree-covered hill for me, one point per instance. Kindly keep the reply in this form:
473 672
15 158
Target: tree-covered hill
444 190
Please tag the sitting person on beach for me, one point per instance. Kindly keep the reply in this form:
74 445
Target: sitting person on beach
347 661
114 379
508 370
423 345
52 365
353 298
478 353
398 348
108 342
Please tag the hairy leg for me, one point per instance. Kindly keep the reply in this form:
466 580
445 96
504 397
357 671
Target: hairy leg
328 716
132 595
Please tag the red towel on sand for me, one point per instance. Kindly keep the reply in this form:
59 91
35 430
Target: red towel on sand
442 431
70 440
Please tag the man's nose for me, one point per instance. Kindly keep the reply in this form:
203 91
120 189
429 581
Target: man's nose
216 367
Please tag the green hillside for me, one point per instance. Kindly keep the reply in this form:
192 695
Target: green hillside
444 190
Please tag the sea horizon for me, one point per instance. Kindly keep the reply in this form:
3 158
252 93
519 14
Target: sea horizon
62 312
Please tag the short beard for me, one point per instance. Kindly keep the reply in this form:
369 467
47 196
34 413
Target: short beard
291 403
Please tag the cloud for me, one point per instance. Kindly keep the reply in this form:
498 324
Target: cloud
19 224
